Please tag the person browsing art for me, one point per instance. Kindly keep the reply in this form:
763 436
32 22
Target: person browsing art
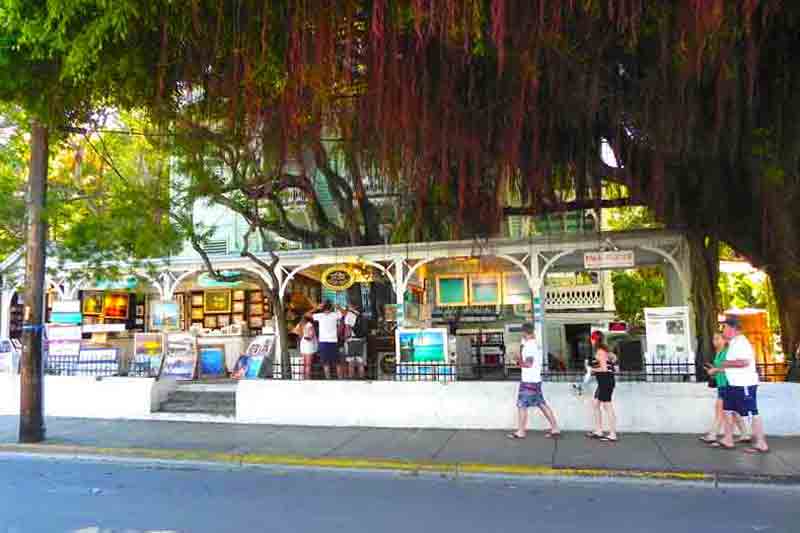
328 320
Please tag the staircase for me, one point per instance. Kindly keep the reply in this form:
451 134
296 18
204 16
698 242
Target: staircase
201 401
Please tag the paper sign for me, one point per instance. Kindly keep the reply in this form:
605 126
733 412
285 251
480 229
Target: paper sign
609 260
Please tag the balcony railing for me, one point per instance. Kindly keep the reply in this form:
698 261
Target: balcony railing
576 297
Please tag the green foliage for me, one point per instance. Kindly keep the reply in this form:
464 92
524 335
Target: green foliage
13 172
636 289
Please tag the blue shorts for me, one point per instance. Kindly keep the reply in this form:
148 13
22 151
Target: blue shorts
721 393
329 352
741 400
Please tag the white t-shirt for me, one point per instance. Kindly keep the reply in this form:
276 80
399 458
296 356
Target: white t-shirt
740 349
531 350
327 326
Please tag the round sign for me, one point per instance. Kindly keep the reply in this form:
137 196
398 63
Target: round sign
338 278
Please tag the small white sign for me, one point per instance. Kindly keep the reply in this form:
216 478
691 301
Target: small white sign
104 328
64 333
67 306
609 260
64 348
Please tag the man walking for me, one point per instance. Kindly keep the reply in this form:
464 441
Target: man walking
740 369
530 387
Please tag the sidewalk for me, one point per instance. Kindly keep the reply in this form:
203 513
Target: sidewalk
447 451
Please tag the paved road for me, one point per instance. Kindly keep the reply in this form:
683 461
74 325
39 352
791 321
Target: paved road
58 495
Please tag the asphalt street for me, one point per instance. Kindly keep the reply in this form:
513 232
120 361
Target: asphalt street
65 495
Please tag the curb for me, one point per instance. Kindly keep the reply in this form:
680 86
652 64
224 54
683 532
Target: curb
390 465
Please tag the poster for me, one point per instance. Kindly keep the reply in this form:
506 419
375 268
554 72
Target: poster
421 345
165 316
180 359
63 349
148 349
66 312
669 348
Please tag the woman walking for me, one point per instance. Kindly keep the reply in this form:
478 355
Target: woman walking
308 344
603 370
721 382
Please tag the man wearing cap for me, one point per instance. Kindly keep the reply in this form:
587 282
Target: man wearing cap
740 369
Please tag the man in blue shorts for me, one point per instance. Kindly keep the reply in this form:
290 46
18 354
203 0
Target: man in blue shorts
740 396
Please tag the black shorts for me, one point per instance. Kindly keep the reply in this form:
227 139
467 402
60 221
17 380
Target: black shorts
605 386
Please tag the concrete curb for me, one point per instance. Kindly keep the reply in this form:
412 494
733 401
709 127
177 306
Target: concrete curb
391 465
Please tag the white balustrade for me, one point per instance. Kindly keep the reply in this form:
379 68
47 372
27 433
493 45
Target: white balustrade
576 297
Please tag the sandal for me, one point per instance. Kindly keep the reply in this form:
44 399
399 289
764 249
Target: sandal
705 439
514 436
755 451
593 435
609 439
550 435
717 445
744 440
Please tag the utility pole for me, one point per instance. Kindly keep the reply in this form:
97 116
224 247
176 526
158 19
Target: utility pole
31 420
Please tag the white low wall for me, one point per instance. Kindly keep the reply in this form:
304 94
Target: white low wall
88 397
645 407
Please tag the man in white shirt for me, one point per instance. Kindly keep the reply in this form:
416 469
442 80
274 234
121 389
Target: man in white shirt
328 320
740 395
530 386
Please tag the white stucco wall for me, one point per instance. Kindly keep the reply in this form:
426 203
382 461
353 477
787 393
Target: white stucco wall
87 397
646 407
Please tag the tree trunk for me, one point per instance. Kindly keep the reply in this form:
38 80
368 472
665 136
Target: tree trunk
704 259
283 334
785 279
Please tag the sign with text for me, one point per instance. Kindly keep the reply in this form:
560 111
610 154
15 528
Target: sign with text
104 328
338 278
64 333
609 260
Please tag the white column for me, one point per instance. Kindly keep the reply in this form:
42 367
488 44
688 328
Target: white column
5 311
537 293
279 276
400 289
608 291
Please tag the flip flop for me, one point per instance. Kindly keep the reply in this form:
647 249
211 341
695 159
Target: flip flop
593 435
514 436
609 439
755 451
717 445
551 435
744 440
706 439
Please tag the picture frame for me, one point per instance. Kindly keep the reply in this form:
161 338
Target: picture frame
484 289
239 319
115 305
238 307
256 297
210 322
197 300
238 295
197 313
257 309
211 359
217 302
164 316
256 322
140 310
451 290
223 320
515 289
92 304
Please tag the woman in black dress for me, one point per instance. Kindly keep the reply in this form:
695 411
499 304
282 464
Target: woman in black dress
603 370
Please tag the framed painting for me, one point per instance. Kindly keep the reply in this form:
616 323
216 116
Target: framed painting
239 319
484 289
256 322
238 307
92 304
256 297
451 290
218 302
115 305
238 295
515 289
257 309
223 320
211 360
210 322
197 313
197 300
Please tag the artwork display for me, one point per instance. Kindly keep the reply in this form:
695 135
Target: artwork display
238 295
92 303
238 307
223 320
239 319
197 300
210 322
515 289
484 289
180 359
197 313
421 345
147 353
257 309
165 316
451 291
115 305
217 302
256 297
212 360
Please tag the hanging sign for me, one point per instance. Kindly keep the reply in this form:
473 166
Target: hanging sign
231 278
338 278
609 260
116 285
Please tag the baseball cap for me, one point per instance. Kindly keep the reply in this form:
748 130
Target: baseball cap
733 322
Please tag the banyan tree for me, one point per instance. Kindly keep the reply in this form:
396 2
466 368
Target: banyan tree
697 99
